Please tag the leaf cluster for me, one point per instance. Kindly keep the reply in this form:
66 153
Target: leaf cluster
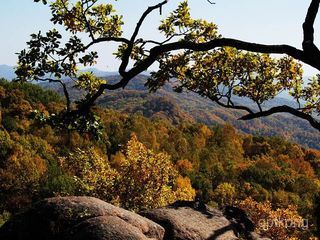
222 73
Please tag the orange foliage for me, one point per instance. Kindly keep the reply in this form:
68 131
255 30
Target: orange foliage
184 166
279 224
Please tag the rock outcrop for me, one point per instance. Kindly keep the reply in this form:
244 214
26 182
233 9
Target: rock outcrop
189 221
79 218
87 218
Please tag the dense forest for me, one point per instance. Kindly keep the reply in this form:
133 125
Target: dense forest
143 160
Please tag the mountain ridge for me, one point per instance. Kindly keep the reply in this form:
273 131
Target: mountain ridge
8 72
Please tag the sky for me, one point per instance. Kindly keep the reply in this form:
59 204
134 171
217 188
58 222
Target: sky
269 22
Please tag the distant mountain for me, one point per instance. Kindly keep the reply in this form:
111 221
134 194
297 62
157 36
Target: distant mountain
7 72
98 73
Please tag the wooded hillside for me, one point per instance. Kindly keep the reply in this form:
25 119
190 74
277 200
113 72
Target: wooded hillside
149 158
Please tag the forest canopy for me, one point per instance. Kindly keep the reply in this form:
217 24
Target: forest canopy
219 164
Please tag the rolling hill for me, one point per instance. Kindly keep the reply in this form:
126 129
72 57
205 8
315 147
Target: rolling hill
8 72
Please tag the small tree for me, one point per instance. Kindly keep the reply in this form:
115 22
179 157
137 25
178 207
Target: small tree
148 179
224 194
91 173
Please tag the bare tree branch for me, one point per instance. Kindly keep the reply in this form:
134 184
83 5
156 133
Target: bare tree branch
209 1
229 42
127 53
65 89
232 106
88 26
308 32
284 109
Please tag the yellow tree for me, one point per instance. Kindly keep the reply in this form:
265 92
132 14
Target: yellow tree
149 179
92 173
224 194
22 170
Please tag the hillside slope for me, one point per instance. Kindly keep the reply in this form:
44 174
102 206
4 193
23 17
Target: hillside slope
219 163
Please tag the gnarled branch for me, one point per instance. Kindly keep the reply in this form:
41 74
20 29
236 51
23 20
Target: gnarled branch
65 90
308 33
127 53
308 30
284 109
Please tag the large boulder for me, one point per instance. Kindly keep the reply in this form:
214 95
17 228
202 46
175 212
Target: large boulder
79 218
192 221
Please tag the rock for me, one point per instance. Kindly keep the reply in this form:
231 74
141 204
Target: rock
189 221
77 218
116 228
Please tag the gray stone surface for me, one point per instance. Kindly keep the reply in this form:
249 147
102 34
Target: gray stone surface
185 221
87 218
78 218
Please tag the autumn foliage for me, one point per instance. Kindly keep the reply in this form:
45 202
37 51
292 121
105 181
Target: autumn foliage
280 223
140 163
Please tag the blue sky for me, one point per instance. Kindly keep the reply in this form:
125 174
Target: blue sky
270 22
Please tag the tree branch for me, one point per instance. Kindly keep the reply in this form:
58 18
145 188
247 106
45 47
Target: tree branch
95 41
127 53
88 26
65 90
283 109
308 33
244 108
108 39
238 44
157 51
